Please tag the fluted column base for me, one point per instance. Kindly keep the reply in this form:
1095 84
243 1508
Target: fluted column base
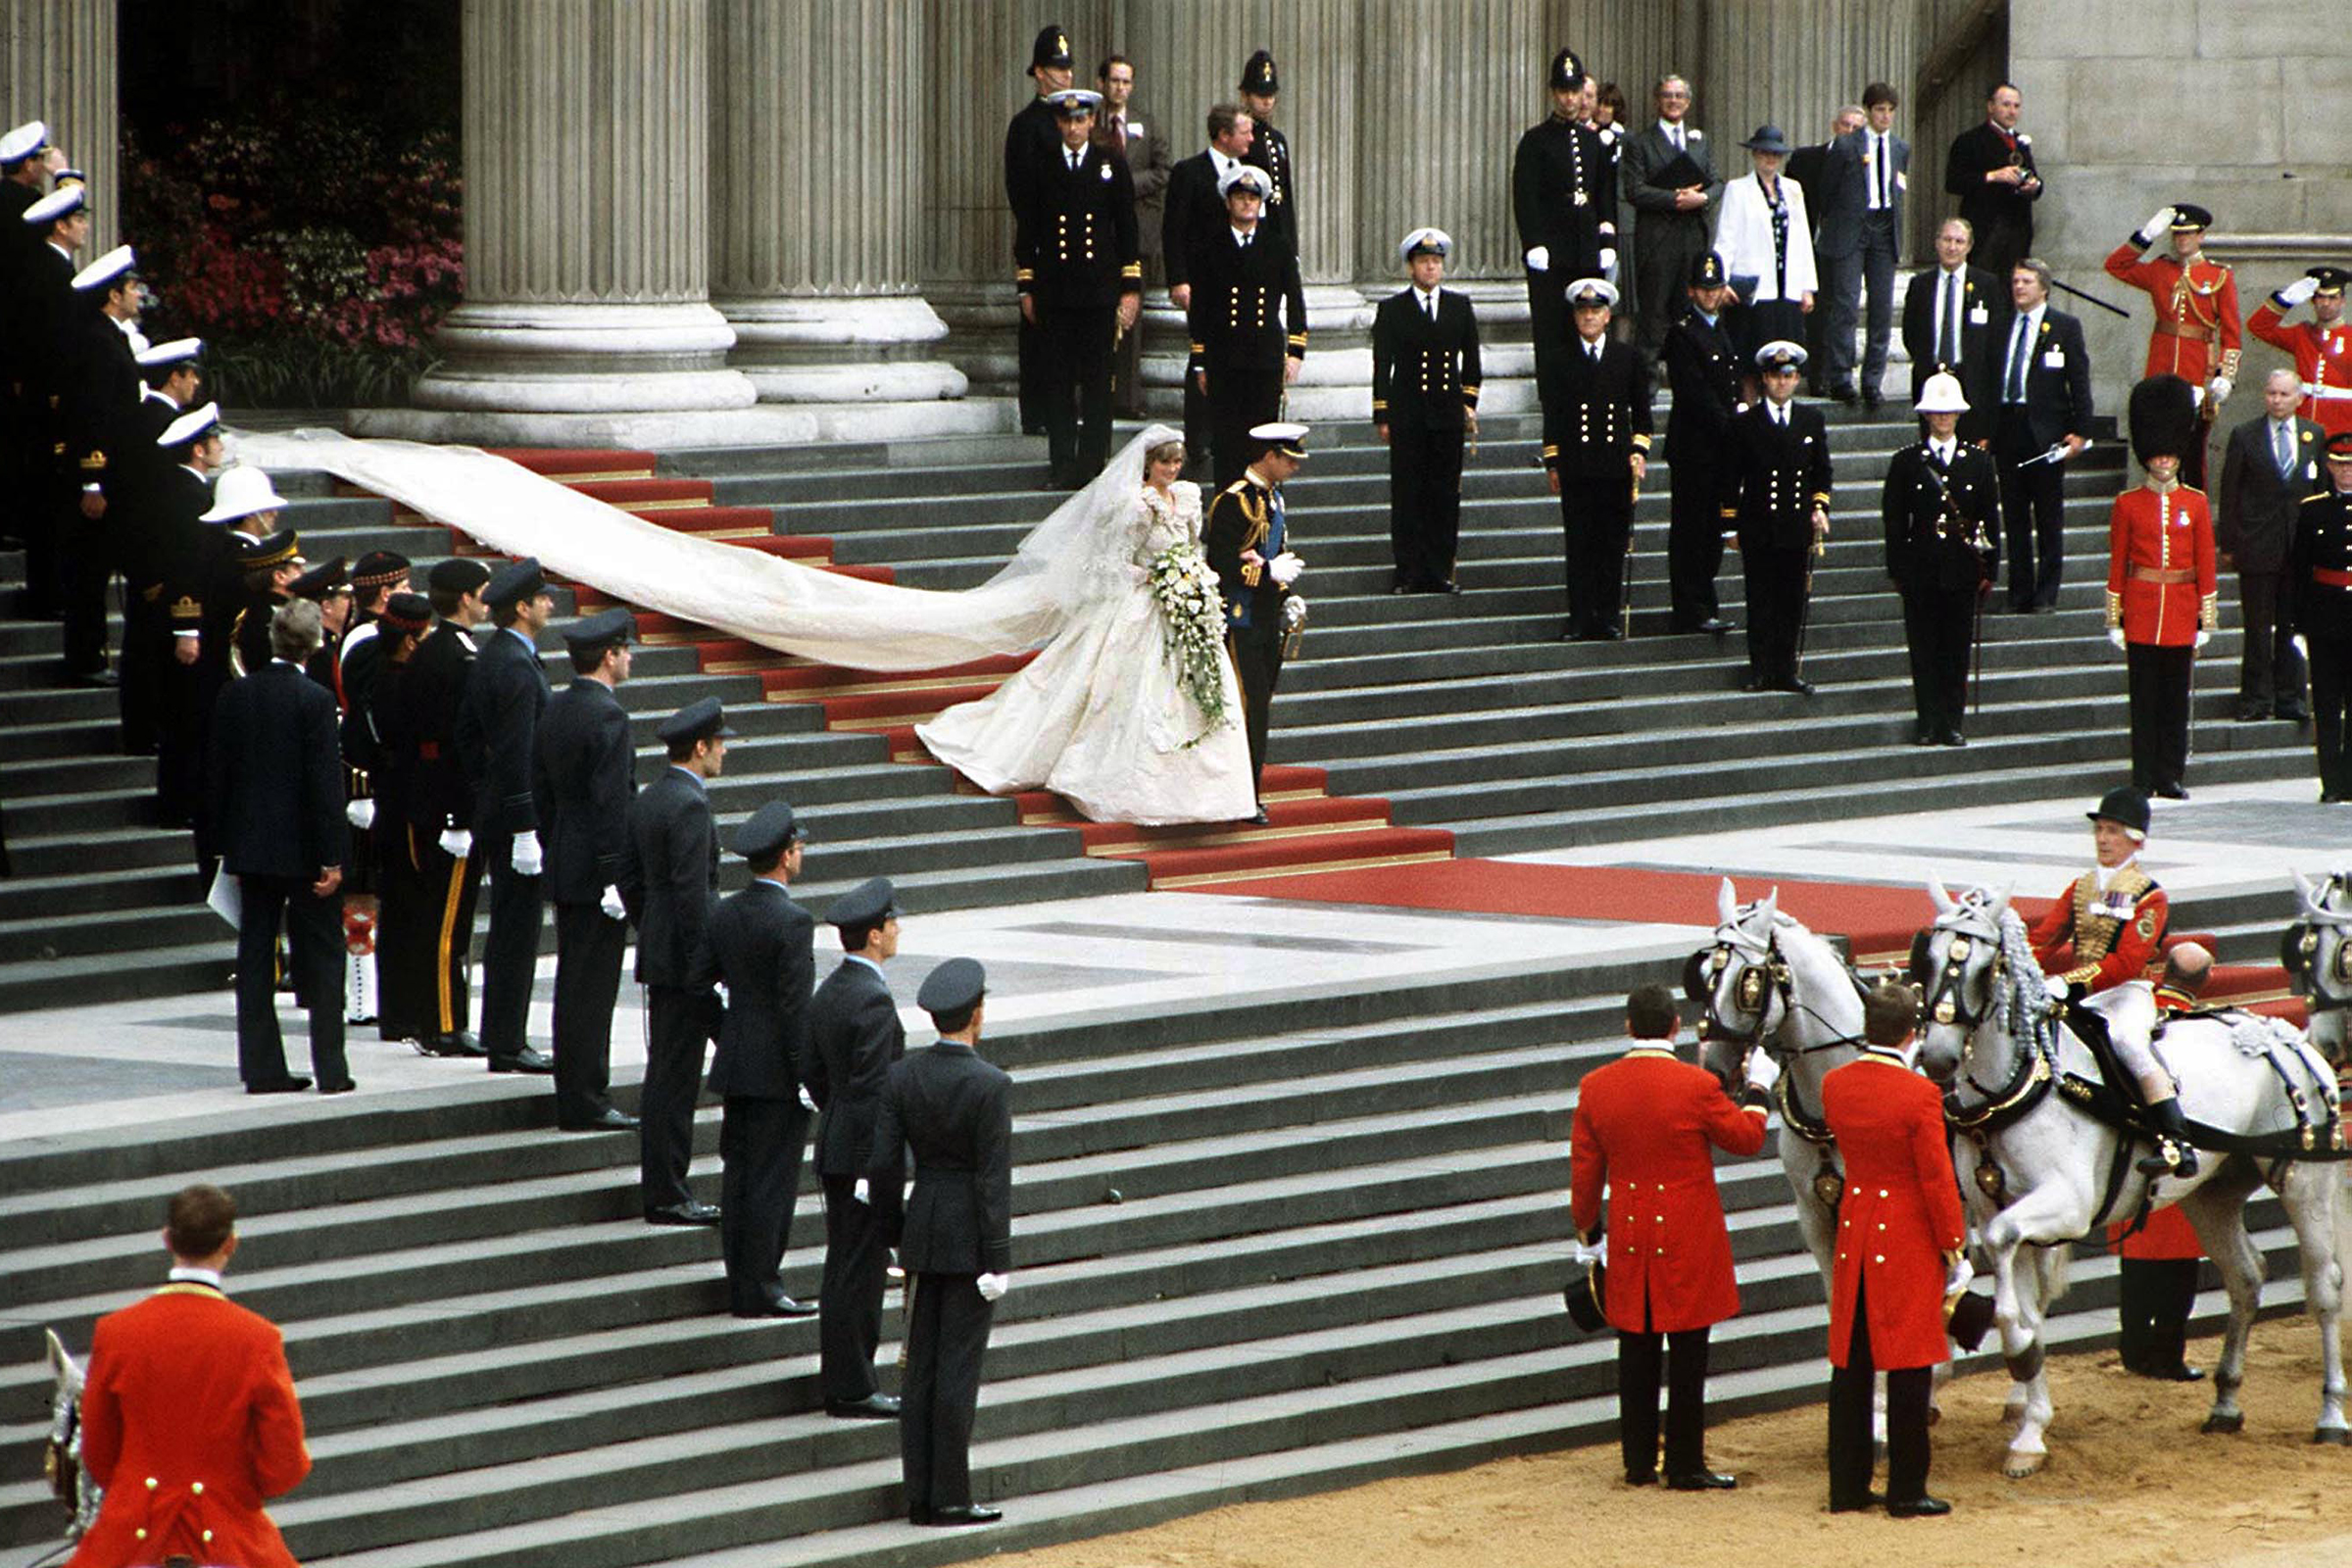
835 349
583 359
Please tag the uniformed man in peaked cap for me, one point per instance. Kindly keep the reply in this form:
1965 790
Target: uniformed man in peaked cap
1247 321
190 451
2197 336
1703 366
1270 151
1247 540
1425 382
1081 279
1029 143
1777 495
98 390
2318 582
1596 420
148 533
2322 347
41 318
1564 201
268 566
954 1112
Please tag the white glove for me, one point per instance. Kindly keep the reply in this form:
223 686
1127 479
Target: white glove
2158 221
2295 293
1538 259
1285 570
1957 1280
2300 646
2203 637
1762 1071
1608 260
807 1104
528 859
457 842
994 1286
612 905
1293 614
1598 1252
861 1192
2115 635
360 814
2222 386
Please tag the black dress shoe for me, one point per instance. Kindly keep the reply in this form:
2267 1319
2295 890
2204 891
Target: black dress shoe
1794 686
457 1043
288 1085
1918 1508
686 1213
781 1306
2251 713
1753 683
607 1120
529 1059
1640 1478
341 1086
97 678
970 1513
1872 1499
2175 1372
1716 625
1258 818
2170 792
1841 393
2293 715
1701 1480
873 1408
1922 735
1951 737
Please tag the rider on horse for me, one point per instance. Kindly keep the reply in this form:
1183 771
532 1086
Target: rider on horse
2106 931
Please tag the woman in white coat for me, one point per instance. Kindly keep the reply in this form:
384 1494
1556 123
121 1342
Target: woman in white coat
1767 248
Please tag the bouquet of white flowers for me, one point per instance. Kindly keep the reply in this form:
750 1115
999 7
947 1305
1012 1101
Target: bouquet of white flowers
1193 613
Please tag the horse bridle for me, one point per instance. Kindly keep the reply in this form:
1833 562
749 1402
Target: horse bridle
1767 977
1947 1002
2299 950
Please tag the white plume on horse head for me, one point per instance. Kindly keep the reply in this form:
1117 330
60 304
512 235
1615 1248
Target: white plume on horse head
1726 902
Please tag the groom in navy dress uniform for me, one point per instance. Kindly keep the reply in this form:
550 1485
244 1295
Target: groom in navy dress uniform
1245 541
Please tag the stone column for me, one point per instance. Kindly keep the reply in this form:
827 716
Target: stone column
815 208
587 314
1761 70
58 65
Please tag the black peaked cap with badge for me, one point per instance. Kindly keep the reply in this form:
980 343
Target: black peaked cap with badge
953 987
701 719
768 831
868 904
270 550
321 581
514 583
591 635
458 575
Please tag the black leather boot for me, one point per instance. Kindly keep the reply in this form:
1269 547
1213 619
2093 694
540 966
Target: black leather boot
2173 1155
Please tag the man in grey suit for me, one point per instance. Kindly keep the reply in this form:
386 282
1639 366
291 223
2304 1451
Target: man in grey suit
1670 225
2271 464
855 1039
760 944
955 1112
1144 148
1859 237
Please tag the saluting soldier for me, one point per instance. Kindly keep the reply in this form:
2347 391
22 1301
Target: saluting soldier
1596 417
2318 578
191 449
2197 335
1247 321
855 1039
1029 141
1246 539
2162 599
1564 201
954 1112
2322 347
1704 366
1081 279
670 883
1941 506
1425 380
760 945
99 390
1270 151
1776 494
587 777
497 733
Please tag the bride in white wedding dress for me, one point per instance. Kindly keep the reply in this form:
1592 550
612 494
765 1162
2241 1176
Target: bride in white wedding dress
1112 715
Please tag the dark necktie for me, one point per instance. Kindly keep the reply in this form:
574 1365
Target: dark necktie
2285 449
1947 335
1883 177
2016 389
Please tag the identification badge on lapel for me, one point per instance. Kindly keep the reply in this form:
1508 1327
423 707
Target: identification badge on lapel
1978 316
2055 360
2311 471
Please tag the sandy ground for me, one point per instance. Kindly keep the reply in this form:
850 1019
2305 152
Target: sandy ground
2130 1483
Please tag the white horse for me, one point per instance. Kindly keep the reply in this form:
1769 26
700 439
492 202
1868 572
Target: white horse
62 1461
2317 956
2029 1095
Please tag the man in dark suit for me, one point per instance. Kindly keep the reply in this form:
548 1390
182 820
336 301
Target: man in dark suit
855 1039
1564 204
1143 149
758 944
1859 237
1777 495
1597 418
1943 513
1670 225
2046 406
1270 150
276 787
1704 369
2269 464
1953 315
587 777
1806 167
1246 539
1425 379
955 1112
1243 353
1081 282
1195 213
670 883
498 732
1991 168
1029 141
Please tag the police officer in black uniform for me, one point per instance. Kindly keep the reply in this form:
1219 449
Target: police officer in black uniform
1270 151
1425 382
2318 574
1597 418
1081 279
1244 353
1246 539
1941 506
441 800
855 1039
1777 493
1704 366
587 777
1029 141
1564 200
954 1112
760 945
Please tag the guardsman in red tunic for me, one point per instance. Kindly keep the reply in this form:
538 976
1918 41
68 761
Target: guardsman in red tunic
2322 347
1644 1129
2156 1277
2197 336
2163 598
1901 1260
188 1418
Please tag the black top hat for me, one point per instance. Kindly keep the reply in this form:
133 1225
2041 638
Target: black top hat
1053 48
2124 805
2164 418
953 987
769 830
1585 1299
1567 72
1966 1317
1709 271
1258 78
1767 139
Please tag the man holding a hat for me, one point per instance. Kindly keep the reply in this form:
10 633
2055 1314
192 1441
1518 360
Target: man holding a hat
2197 335
2163 597
954 1112
2318 578
2322 347
855 1040
1081 282
1244 353
1246 539
1597 418
1942 510
1705 370
498 737
1425 380
587 777
1565 203
1776 494
1030 141
670 883
761 945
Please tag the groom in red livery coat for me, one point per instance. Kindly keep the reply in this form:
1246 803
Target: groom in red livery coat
189 1418
1644 1129
1901 1232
